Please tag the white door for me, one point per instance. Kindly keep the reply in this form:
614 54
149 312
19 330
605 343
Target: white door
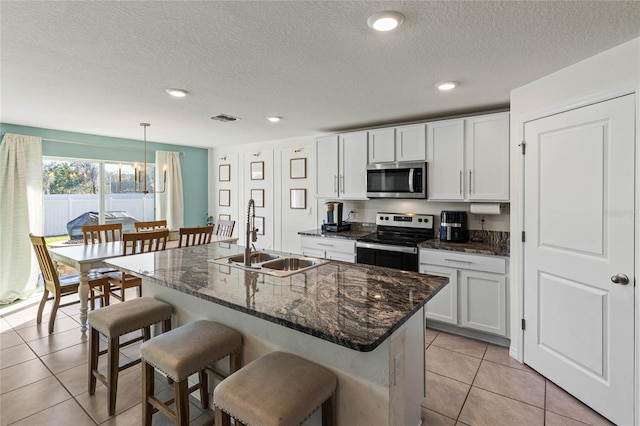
411 143
579 224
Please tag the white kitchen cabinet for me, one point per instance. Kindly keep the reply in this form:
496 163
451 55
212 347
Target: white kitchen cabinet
445 160
476 296
468 159
327 166
341 165
402 143
329 248
443 306
382 145
487 157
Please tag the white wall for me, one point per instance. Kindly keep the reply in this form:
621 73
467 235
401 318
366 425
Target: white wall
610 73
282 223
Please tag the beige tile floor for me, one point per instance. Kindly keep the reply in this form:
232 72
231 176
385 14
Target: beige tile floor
475 383
43 381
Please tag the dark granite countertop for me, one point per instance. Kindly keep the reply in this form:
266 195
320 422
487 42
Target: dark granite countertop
358 230
356 306
495 244
468 247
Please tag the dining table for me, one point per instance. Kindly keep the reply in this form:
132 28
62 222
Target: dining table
85 257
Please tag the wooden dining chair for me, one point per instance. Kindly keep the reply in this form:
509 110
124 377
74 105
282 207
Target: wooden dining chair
96 234
224 228
149 225
195 236
62 286
135 243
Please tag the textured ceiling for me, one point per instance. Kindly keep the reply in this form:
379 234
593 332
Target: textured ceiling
102 67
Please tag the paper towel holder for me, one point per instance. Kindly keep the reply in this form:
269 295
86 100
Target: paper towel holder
485 208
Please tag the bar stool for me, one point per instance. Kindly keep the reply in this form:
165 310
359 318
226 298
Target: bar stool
181 352
276 389
114 321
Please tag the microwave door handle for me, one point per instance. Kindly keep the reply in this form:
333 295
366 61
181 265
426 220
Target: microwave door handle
411 180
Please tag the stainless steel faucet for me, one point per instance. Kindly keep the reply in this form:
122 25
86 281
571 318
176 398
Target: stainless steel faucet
251 232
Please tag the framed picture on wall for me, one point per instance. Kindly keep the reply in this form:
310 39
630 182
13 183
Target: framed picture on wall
257 170
224 172
258 197
222 216
298 198
298 168
224 197
259 224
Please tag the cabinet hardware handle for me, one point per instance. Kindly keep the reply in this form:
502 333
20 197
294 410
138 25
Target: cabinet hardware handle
459 261
470 190
325 245
335 183
460 182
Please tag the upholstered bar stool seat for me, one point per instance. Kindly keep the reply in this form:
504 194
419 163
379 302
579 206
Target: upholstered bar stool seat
276 389
114 321
183 351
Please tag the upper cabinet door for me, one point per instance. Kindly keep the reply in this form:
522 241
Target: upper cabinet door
410 143
352 180
327 166
382 145
487 158
445 160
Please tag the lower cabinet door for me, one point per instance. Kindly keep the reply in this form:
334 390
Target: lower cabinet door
483 302
443 306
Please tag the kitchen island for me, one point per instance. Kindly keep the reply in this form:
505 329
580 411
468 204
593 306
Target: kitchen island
364 323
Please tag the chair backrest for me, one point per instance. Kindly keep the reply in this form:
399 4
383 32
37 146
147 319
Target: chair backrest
144 242
195 236
95 234
224 228
150 225
48 269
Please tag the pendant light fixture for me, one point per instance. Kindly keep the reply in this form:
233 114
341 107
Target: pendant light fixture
140 174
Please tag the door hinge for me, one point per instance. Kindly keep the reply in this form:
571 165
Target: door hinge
523 236
522 324
523 145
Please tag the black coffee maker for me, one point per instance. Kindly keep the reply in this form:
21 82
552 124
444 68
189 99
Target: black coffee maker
334 218
454 226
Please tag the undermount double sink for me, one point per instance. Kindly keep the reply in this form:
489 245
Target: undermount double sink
271 263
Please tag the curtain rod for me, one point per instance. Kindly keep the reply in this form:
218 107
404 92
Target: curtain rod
92 144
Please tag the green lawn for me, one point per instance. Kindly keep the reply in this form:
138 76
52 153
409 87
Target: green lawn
56 238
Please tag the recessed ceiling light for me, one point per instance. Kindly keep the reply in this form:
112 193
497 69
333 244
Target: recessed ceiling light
178 93
447 85
385 20
274 118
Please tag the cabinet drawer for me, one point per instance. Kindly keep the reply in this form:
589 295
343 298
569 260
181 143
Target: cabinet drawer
344 257
329 245
452 259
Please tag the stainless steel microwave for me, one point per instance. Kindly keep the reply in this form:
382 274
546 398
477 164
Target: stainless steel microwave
397 180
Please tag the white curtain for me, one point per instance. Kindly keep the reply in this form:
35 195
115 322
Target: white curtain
21 212
170 203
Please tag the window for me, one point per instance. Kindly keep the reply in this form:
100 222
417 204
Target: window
93 192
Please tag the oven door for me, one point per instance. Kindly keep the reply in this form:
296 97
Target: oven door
397 257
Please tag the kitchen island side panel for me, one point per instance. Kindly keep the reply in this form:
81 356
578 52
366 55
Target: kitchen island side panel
382 387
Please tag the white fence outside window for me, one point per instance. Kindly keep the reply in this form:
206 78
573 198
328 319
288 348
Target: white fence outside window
61 208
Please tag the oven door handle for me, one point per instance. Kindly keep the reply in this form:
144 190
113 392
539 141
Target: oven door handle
385 247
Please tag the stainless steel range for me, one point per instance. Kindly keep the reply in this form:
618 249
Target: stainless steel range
395 244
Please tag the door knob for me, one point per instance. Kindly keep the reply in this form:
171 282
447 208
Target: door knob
621 279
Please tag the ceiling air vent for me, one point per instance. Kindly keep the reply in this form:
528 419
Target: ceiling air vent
225 118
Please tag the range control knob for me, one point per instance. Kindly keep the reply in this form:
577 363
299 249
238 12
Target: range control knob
419 220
